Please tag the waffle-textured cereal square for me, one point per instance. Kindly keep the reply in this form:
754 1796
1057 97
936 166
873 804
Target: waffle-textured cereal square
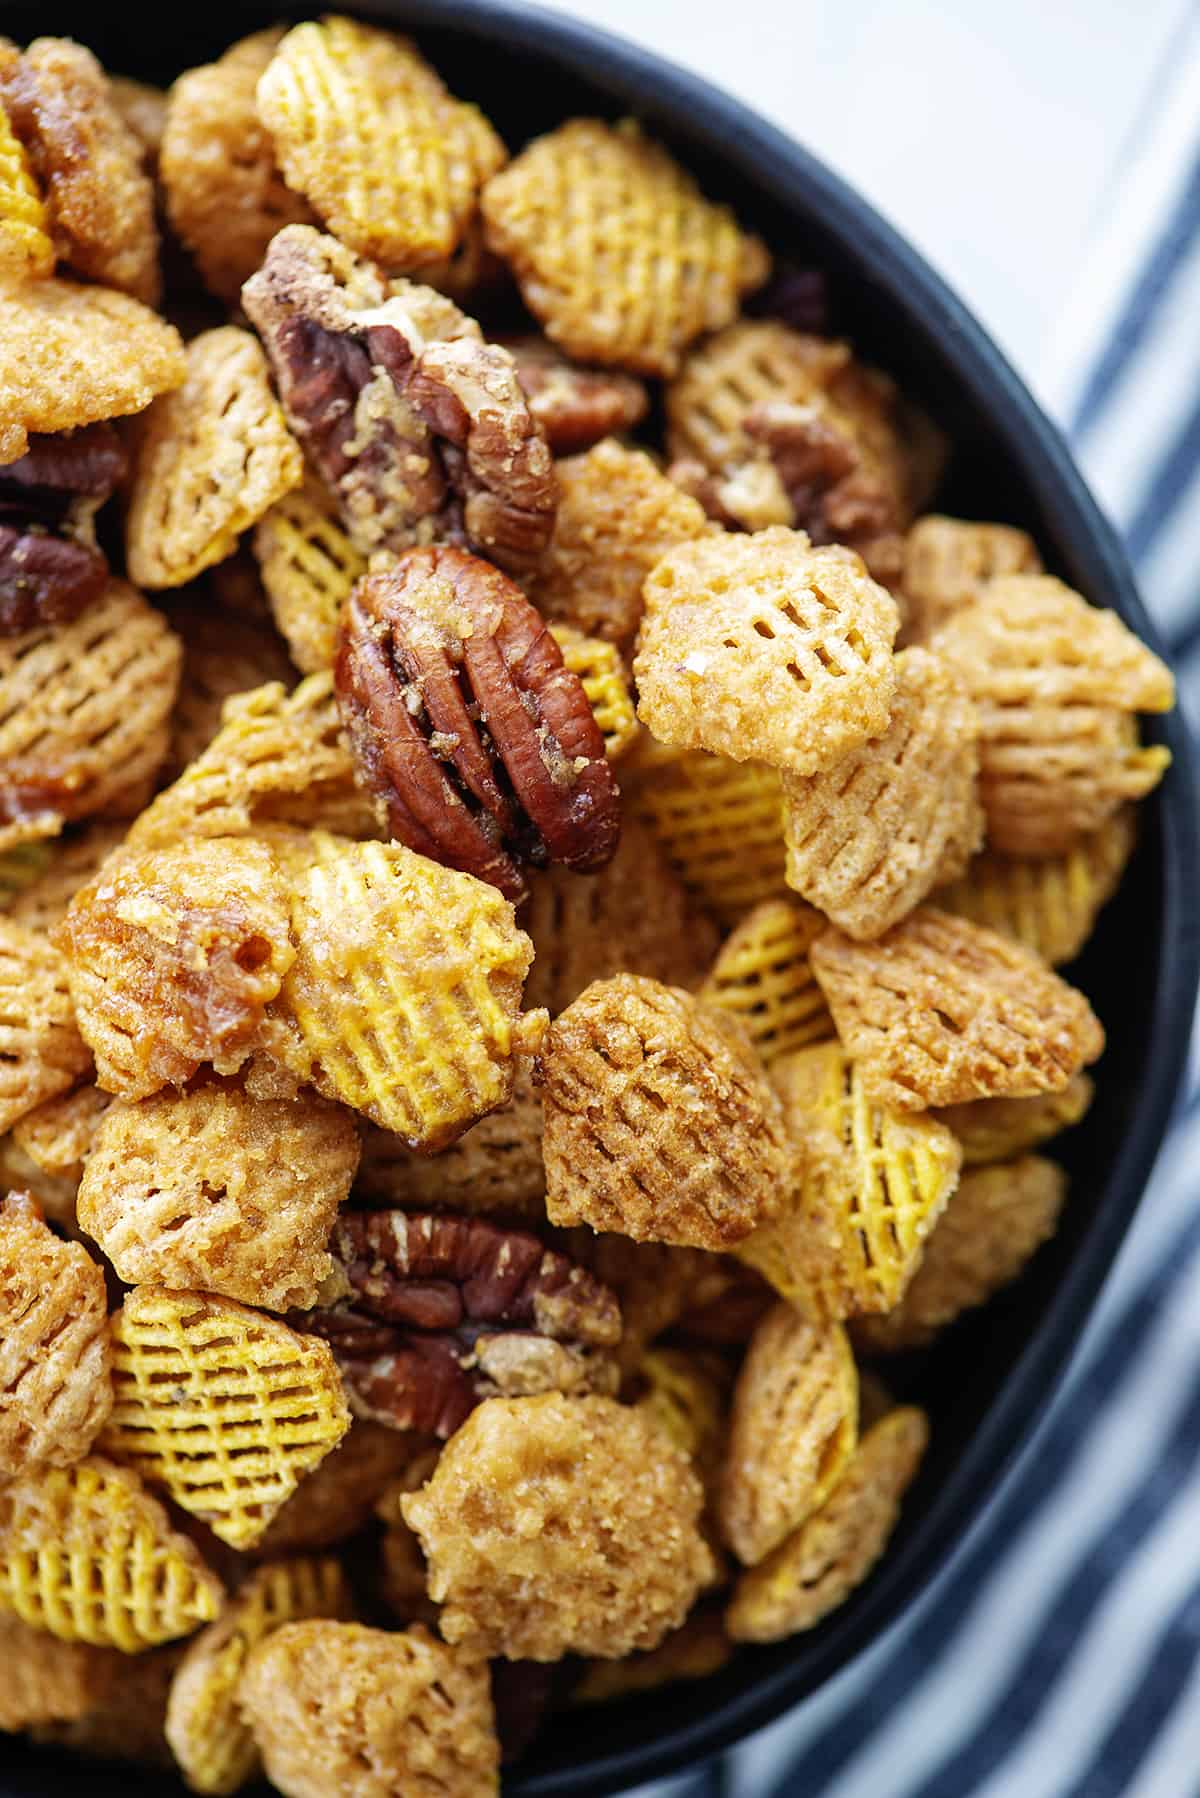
224 194
41 1051
55 1193
601 673
850 1234
368 133
339 1496
870 836
762 648
1057 684
212 1190
999 1129
212 457
223 653
66 864
750 364
792 1433
999 1217
616 251
660 1123
367 1713
25 247
58 1134
209 1737
618 515
819 1566
763 976
939 1011
555 1525
48 1681
404 999
55 1386
84 713
223 1407
308 565
948 563
87 1554
173 956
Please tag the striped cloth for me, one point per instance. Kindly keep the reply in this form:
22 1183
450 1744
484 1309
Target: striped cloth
1058 1656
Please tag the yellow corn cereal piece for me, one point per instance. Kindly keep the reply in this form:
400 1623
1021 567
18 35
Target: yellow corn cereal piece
602 676
25 246
308 566
998 1129
763 975
41 1051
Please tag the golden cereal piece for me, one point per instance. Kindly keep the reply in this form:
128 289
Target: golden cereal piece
308 566
697 1649
21 867
792 1434
948 563
66 865
213 1190
58 1134
25 246
212 457
225 196
173 955
41 1051
687 1395
366 131
616 251
404 999
338 1497
84 710
555 1525
659 1121
144 110
819 1566
764 977
1049 903
88 1555
55 1386
602 676
720 823
618 515
207 1733
751 363
55 1193
1056 684
871 835
763 648
225 1408
128 1722
633 917
997 1219
998 1129
849 1236
369 1713
100 355
939 1011
48 1681
223 653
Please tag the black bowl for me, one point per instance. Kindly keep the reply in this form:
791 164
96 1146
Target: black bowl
987 1387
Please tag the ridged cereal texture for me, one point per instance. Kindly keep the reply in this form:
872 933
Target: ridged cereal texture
998 1129
948 563
41 1051
763 976
308 565
601 673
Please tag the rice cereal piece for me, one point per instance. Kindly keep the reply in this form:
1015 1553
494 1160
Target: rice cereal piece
560 1525
605 684
128 1724
659 1120
763 648
100 355
1056 683
999 1129
422 1041
699 1648
48 1681
84 711
58 1134
367 132
618 515
225 196
762 975
850 1234
69 862
948 563
88 1555
224 653
1049 903
871 835
308 566
616 251
207 1733
25 246
210 1189
224 1407
368 1713
144 110
819 1566
633 917
939 1011
212 457
792 1434
42 1052
55 1356
999 1217
340 1495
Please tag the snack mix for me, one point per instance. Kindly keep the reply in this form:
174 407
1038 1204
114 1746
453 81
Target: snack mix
539 883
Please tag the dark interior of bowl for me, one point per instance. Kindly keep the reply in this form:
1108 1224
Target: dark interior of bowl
987 1381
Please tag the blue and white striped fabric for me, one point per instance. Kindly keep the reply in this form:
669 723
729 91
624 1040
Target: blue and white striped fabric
1059 1654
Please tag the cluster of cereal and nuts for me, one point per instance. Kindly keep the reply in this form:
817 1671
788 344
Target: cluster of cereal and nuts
451 1194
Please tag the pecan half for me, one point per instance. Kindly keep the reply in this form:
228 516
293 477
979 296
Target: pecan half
86 464
446 1311
45 579
465 722
835 497
575 406
50 568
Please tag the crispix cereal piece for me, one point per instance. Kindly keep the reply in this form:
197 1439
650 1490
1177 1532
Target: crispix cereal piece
948 563
308 566
764 977
41 1051
998 1129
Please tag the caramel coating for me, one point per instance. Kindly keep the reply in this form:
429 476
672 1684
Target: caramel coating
948 563
41 1051
127 1724
698 1648
68 863
308 565
25 247
223 653
48 1681
575 407
659 1121
144 110
338 1497
58 1134
763 648
555 1525
998 1129
763 977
